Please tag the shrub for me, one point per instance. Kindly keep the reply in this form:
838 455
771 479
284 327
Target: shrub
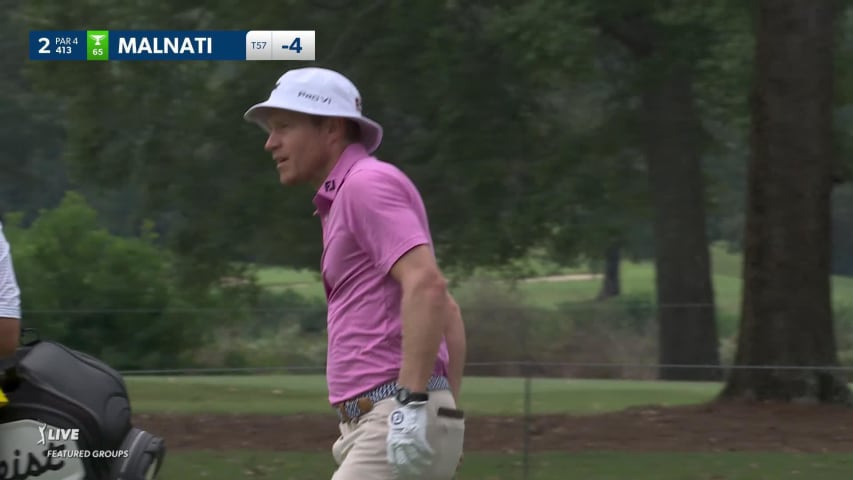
282 346
727 349
112 297
627 313
611 338
284 329
287 308
727 323
843 318
502 328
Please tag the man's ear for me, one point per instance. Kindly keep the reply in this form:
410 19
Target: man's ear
337 127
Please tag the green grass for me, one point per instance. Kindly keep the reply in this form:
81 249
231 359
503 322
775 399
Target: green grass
304 282
842 291
638 278
290 394
283 276
544 466
638 281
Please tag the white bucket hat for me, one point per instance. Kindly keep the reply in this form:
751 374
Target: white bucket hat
318 91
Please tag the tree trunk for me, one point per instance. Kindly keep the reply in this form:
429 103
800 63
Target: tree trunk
687 328
787 306
685 296
611 286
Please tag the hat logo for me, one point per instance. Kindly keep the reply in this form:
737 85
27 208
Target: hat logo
358 104
314 97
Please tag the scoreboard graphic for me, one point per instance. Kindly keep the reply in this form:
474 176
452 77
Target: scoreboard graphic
134 45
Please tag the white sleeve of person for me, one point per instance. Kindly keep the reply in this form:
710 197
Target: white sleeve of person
10 294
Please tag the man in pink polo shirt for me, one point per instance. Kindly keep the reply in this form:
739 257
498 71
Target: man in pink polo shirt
396 338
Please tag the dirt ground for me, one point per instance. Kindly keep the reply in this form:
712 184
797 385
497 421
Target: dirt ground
706 428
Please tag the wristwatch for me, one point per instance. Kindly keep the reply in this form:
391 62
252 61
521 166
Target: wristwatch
406 396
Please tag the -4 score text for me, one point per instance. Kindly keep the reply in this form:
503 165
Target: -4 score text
295 45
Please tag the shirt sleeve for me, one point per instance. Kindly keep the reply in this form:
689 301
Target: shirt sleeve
10 294
384 217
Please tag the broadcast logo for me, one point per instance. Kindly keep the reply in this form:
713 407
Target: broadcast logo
53 434
57 434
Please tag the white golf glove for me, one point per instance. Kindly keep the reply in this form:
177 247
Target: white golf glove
409 452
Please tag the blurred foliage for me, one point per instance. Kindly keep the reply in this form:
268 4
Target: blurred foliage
521 123
109 296
523 113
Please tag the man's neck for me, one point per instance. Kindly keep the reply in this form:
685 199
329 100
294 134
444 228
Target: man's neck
333 159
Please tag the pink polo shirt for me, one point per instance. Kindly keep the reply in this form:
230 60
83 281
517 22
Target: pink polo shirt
371 214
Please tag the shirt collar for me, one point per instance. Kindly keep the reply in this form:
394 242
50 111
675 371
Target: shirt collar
327 191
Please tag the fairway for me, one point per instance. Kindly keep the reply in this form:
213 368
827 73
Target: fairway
544 466
294 394
638 279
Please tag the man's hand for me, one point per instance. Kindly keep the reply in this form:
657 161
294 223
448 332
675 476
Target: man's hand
409 452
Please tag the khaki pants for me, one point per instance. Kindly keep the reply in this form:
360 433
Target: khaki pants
361 452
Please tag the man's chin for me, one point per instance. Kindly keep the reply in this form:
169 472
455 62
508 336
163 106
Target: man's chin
288 180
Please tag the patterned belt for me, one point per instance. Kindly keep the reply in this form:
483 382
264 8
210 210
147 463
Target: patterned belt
353 409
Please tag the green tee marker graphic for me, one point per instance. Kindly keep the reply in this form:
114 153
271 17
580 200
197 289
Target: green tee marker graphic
97 45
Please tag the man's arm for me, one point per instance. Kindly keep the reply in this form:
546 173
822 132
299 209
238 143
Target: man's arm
383 216
427 310
454 335
10 302
10 336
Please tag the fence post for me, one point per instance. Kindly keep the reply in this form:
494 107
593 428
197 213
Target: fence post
525 460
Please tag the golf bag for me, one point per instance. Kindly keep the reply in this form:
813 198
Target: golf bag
68 418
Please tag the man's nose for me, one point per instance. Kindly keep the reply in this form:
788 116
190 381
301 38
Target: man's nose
271 144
